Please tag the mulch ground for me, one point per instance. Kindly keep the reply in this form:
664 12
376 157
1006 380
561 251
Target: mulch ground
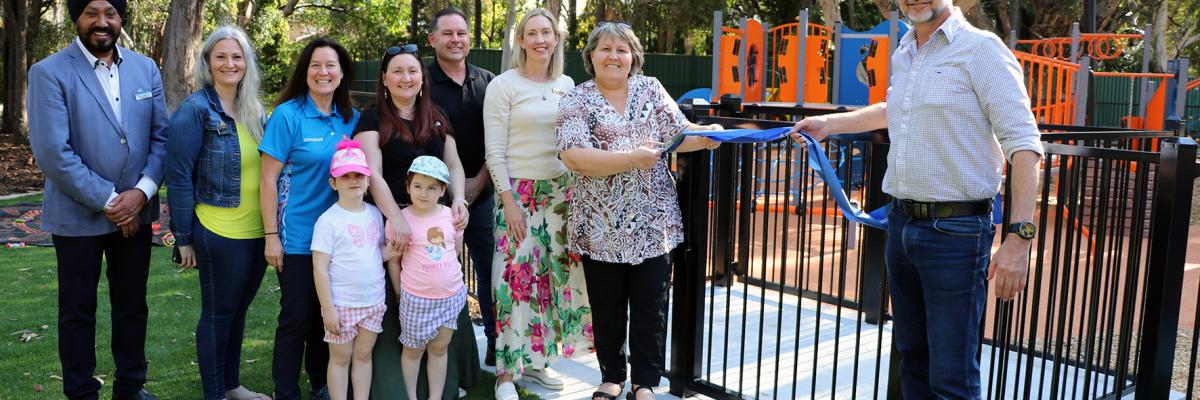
18 171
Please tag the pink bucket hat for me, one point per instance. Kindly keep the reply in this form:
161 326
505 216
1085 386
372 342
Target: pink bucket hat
349 157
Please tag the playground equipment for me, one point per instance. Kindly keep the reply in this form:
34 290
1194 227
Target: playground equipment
1058 73
865 60
798 63
790 57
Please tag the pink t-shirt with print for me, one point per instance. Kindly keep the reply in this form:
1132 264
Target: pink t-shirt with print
430 264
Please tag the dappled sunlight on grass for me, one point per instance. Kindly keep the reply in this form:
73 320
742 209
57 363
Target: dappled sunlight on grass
29 288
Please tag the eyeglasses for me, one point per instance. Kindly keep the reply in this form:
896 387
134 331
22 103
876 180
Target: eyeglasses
402 49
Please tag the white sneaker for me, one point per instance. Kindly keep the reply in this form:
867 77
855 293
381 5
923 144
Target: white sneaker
506 391
462 393
547 378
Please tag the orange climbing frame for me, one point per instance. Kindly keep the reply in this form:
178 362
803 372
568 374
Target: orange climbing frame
730 80
785 44
1051 85
1100 46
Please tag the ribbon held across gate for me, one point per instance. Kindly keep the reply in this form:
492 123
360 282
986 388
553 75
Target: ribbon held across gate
819 164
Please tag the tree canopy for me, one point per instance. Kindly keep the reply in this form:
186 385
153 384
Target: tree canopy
279 28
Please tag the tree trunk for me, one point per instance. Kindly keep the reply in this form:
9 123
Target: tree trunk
414 20
973 10
289 8
181 44
245 13
16 18
830 14
1159 62
478 24
572 24
506 44
885 8
555 8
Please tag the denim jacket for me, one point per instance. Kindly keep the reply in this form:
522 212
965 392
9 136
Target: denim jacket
203 160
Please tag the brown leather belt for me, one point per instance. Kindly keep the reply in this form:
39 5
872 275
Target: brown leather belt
945 209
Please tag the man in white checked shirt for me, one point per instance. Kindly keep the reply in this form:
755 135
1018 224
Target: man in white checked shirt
956 111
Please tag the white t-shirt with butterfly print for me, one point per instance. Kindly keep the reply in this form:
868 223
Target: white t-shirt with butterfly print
352 240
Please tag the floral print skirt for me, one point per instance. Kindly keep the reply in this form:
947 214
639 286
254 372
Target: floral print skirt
542 309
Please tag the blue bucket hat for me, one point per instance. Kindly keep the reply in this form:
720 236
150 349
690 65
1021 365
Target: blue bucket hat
431 167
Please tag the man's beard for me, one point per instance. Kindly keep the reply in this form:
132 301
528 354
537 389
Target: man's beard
934 10
96 46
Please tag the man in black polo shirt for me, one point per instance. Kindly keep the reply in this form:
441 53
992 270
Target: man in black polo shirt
458 88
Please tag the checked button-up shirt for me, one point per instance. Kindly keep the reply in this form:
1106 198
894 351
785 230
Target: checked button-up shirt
957 109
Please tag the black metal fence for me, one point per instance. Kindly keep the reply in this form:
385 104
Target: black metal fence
776 295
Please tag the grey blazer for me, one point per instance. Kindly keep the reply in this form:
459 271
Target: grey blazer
80 147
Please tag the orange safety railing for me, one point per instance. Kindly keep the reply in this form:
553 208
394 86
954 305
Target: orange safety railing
1100 46
816 72
1051 85
1193 84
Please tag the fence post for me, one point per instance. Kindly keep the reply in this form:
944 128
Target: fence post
724 167
802 38
718 23
837 62
1164 271
871 255
1081 90
690 269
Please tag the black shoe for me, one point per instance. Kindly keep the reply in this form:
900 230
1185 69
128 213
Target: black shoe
489 357
140 395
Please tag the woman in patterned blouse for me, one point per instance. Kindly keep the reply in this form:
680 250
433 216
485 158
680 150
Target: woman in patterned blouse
625 217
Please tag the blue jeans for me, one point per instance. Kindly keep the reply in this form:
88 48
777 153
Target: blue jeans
230 272
937 277
482 245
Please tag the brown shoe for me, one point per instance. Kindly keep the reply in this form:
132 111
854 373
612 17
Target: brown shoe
489 357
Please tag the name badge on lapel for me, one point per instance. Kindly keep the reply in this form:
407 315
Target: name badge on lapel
142 94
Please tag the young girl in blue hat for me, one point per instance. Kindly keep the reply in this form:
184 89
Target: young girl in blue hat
428 277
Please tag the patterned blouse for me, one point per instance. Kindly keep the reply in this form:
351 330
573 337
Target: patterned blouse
634 215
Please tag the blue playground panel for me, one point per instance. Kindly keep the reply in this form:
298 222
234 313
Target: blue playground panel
850 90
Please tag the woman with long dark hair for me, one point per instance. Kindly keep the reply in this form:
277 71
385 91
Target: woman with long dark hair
405 124
311 115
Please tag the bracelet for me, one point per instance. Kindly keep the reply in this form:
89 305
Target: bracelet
270 233
629 156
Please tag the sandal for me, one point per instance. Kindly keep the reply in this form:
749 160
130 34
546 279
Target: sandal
632 395
605 395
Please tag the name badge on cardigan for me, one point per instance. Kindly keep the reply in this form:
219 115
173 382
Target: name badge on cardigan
142 95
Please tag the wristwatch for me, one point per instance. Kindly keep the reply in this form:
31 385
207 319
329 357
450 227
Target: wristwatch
1025 229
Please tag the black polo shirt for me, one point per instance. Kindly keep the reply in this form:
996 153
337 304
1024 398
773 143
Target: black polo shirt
463 105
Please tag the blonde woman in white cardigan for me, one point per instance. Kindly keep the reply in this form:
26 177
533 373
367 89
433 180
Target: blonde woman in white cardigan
541 301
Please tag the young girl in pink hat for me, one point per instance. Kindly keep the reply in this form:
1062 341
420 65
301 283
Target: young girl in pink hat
348 253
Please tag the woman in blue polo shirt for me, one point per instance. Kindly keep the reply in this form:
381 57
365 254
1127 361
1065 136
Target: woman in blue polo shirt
312 114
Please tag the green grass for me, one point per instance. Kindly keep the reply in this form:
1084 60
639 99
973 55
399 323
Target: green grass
28 287
33 198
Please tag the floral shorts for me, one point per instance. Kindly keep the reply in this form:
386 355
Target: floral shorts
369 318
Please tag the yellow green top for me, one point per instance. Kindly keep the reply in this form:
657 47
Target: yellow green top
245 220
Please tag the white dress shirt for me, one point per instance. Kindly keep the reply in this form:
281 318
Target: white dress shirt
110 80
957 108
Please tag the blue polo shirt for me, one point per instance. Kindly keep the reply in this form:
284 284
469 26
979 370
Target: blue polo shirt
303 139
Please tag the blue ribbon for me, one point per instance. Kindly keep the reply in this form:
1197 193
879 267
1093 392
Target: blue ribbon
819 163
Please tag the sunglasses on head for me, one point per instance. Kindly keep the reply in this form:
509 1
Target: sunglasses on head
402 49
